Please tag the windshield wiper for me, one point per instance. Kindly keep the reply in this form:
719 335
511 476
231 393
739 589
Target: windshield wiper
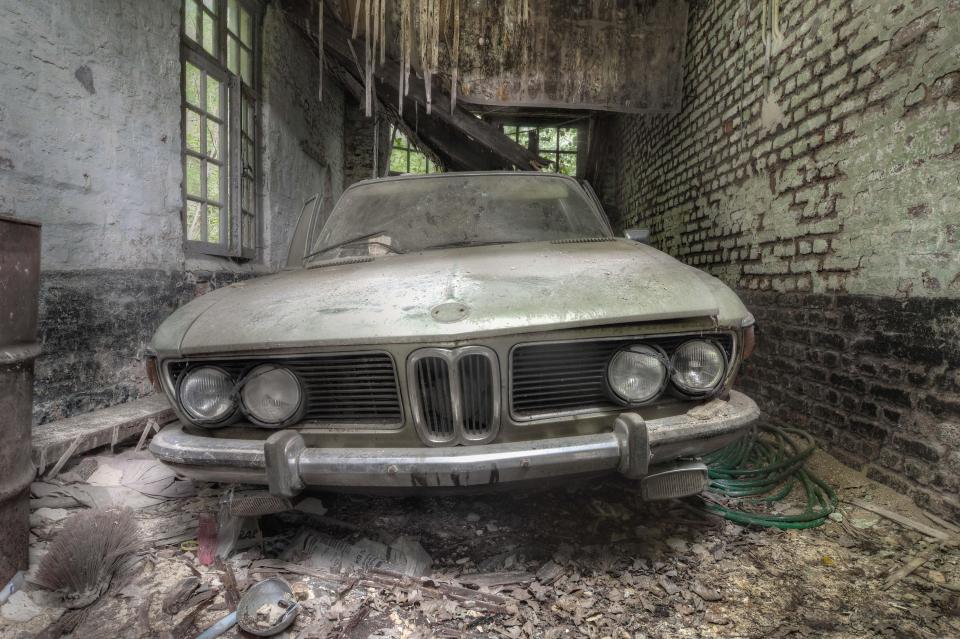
460 243
354 240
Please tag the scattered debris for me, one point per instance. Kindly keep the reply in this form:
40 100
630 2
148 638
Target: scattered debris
19 607
583 560
930 531
316 550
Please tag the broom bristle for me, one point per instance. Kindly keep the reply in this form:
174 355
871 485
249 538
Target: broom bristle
92 545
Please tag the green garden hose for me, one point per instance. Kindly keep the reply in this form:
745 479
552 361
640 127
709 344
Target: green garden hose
764 467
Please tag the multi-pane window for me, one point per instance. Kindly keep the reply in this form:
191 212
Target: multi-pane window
557 144
406 158
220 137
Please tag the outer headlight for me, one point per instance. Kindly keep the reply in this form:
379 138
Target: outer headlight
271 395
698 366
637 373
206 394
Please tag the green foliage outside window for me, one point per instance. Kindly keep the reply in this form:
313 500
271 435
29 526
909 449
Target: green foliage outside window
405 158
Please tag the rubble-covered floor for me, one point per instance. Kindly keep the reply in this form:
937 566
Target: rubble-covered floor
586 560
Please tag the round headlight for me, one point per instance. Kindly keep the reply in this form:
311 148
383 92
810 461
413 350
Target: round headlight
698 366
271 395
637 373
206 394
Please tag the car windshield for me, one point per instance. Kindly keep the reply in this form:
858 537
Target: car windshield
405 215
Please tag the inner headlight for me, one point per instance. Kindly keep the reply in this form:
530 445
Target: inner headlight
206 394
271 395
637 373
698 366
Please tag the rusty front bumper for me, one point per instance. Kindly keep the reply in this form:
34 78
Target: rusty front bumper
634 448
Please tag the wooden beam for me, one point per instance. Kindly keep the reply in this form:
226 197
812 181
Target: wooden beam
503 152
336 41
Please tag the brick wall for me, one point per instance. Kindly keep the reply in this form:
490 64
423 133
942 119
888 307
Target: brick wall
366 144
823 183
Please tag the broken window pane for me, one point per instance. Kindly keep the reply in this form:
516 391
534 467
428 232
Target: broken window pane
213 182
213 224
191 19
191 87
192 130
194 218
193 176
209 34
213 97
213 140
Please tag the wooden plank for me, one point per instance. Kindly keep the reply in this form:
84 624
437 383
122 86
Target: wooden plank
903 520
98 428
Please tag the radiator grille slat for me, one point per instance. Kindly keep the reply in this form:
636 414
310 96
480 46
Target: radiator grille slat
569 376
339 389
433 387
457 394
476 377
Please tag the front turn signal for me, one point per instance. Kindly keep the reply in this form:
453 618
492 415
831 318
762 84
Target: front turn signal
153 373
749 340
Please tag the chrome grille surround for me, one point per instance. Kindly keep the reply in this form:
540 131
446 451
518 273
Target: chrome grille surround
454 395
353 389
568 377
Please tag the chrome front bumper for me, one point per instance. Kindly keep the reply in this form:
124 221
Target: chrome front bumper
284 463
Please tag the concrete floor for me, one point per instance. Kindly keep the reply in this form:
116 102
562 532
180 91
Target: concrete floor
588 560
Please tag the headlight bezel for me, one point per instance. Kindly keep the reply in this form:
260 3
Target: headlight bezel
699 393
661 357
248 413
190 414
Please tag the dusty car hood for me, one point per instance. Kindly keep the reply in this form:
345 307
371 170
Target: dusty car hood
502 288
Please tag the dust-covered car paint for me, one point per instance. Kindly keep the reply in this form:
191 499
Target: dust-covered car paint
478 313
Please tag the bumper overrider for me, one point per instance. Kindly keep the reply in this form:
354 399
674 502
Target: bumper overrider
637 449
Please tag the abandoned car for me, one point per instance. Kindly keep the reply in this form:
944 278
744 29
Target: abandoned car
454 331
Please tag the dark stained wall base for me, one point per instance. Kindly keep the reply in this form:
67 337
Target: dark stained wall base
95 326
876 379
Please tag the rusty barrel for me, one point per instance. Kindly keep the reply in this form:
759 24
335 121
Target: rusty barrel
19 289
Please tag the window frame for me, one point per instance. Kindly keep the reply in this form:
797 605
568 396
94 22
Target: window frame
533 128
232 243
431 166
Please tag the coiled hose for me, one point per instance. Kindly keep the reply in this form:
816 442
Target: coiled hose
762 468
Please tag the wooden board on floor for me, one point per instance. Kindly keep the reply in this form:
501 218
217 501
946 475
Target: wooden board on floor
97 428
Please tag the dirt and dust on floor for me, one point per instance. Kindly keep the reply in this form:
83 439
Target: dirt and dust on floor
589 559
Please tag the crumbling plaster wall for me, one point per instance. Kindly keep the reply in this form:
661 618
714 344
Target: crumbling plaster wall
303 136
825 186
90 146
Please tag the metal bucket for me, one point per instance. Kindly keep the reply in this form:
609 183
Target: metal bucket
19 289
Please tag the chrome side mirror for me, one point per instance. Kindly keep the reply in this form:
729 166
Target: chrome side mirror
638 235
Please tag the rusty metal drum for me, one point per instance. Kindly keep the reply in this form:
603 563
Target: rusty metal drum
19 290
